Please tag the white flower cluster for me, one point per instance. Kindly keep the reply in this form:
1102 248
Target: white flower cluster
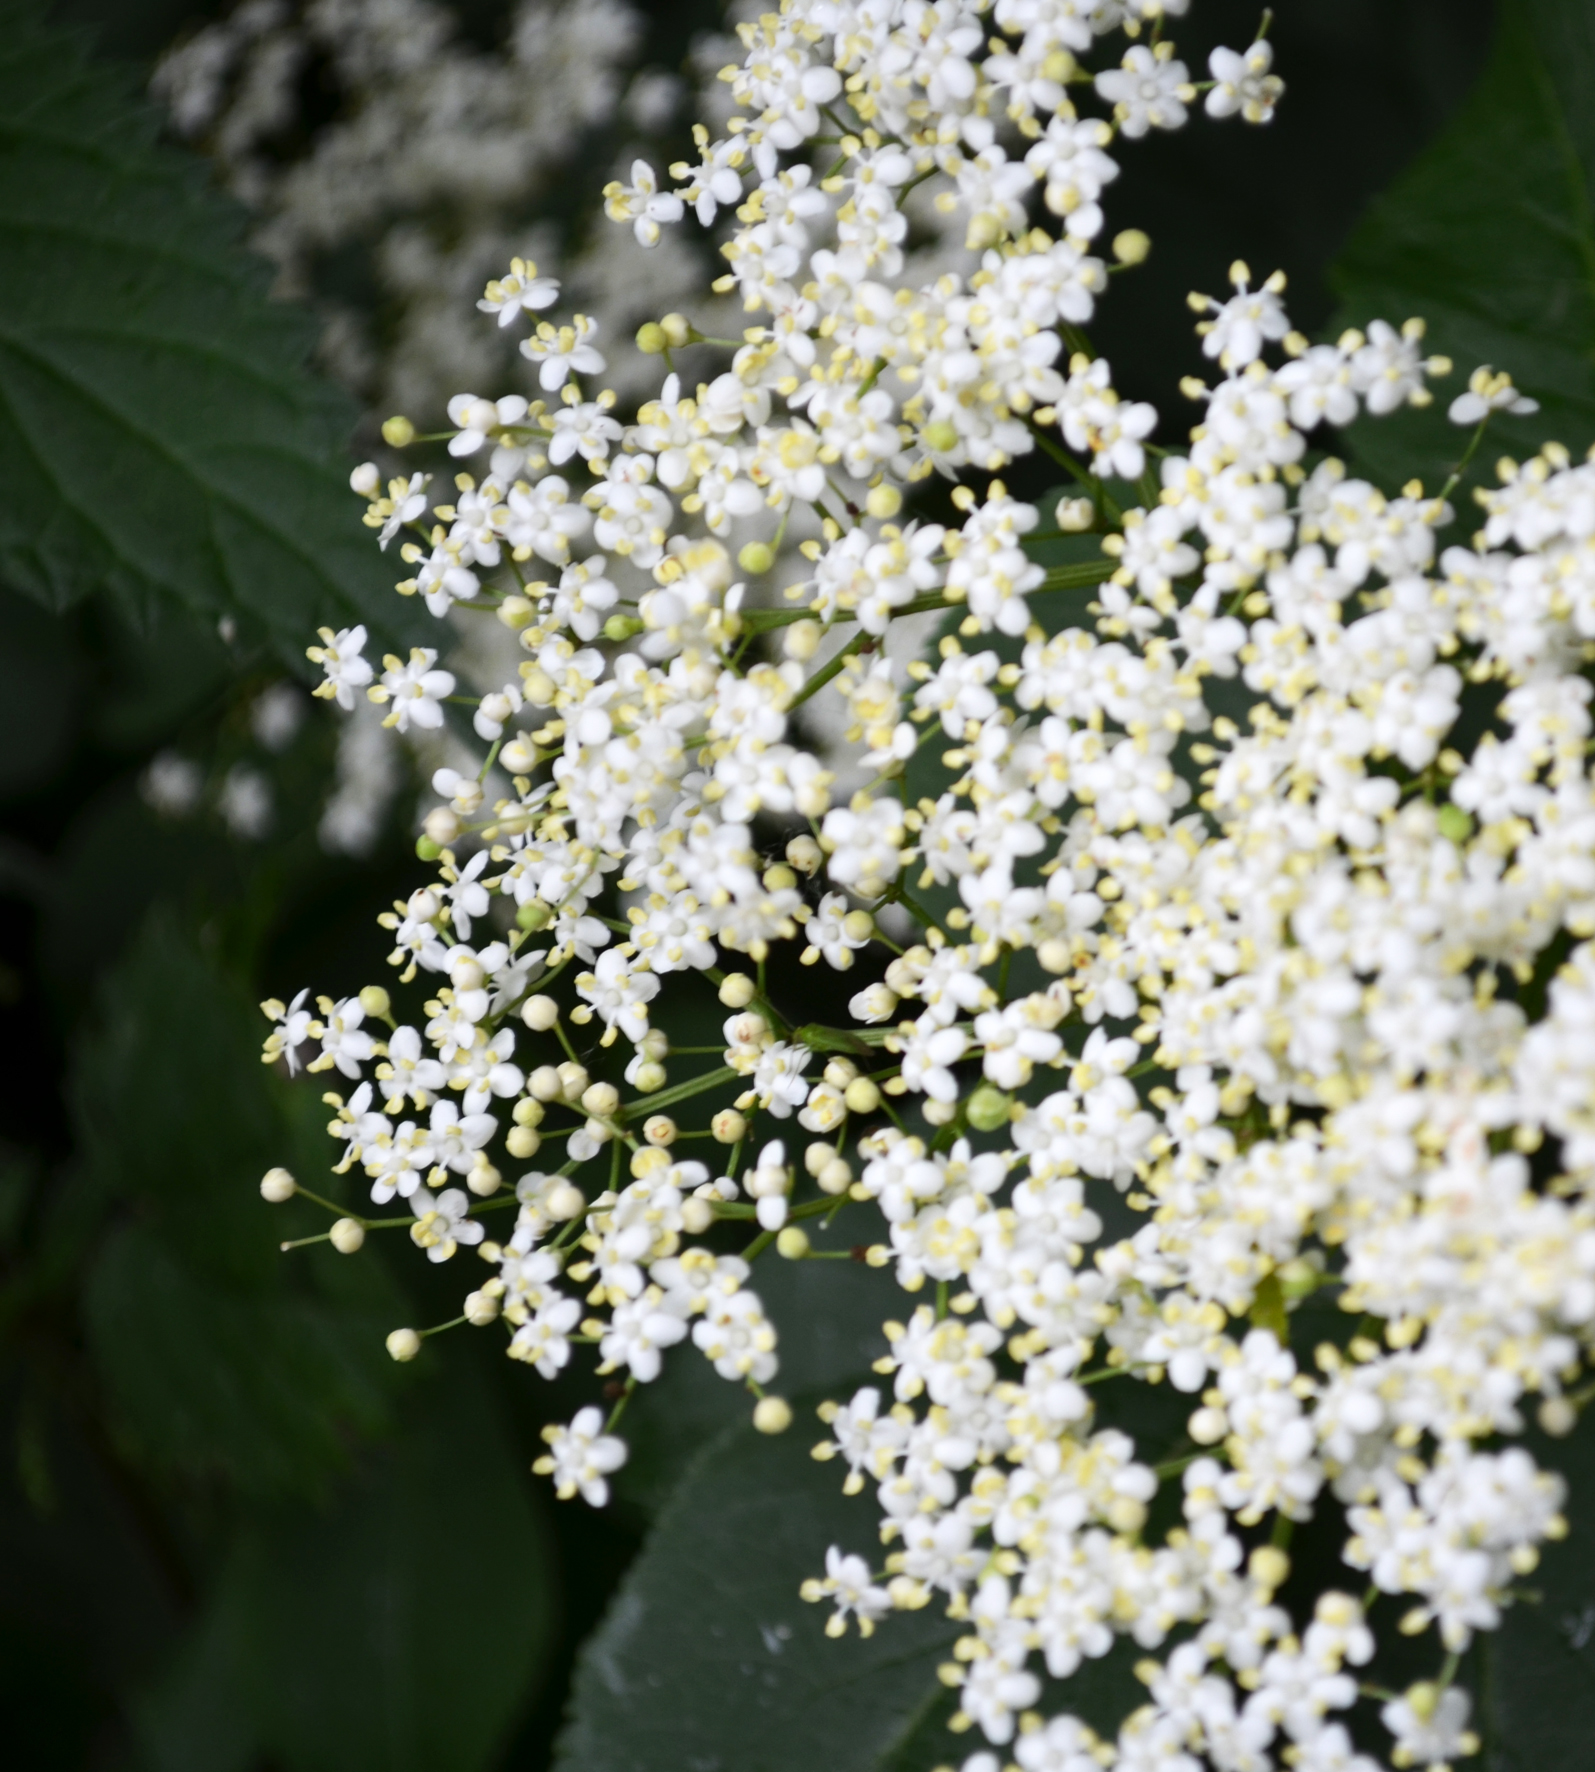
1278 992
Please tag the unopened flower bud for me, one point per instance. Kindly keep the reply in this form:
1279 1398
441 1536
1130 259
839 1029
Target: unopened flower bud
1208 1426
398 432
651 339
539 1013
466 973
277 1185
621 627
772 1415
566 1201
659 1129
654 1044
480 1308
544 1083
728 1126
940 436
802 640
520 758
818 1155
522 1142
858 925
442 825
677 329
534 916
366 480
839 1072
517 612
1268 1566
988 1108
483 1179
375 1001
737 990
862 1096
697 1214
1075 515
601 1100
1131 247
835 1178
427 848
403 1344
573 1081
883 501
1557 1417
347 1235
423 905
756 558
793 1242
650 1076
804 854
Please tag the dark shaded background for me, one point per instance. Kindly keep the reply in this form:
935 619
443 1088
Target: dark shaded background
103 1566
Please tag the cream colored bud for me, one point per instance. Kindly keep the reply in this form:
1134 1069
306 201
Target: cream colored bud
802 640
375 1001
466 974
398 432
522 1142
862 1096
659 1129
654 1044
697 1214
527 1112
818 1155
347 1235
442 825
277 1185
839 1072
517 612
573 1080
480 1308
835 1178
545 1084
1268 1566
1055 956
858 925
728 1126
737 990
1075 515
883 501
366 480
539 1013
772 1415
1557 1417
483 1179
805 855
424 905
519 757
1131 247
756 558
1208 1426
793 1242
601 1100
650 1076
940 437
677 329
403 1344
1126 1515
564 1202
651 338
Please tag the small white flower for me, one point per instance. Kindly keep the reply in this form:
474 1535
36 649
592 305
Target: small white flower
580 1457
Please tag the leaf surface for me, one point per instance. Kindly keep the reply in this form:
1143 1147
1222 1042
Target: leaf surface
160 436
1490 237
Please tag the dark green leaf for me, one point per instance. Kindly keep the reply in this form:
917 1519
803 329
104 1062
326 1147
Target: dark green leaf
219 1354
1536 1678
1490 236
160 437
400 1630
709 1659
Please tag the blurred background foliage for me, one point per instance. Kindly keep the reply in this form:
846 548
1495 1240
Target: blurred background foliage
232 1533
